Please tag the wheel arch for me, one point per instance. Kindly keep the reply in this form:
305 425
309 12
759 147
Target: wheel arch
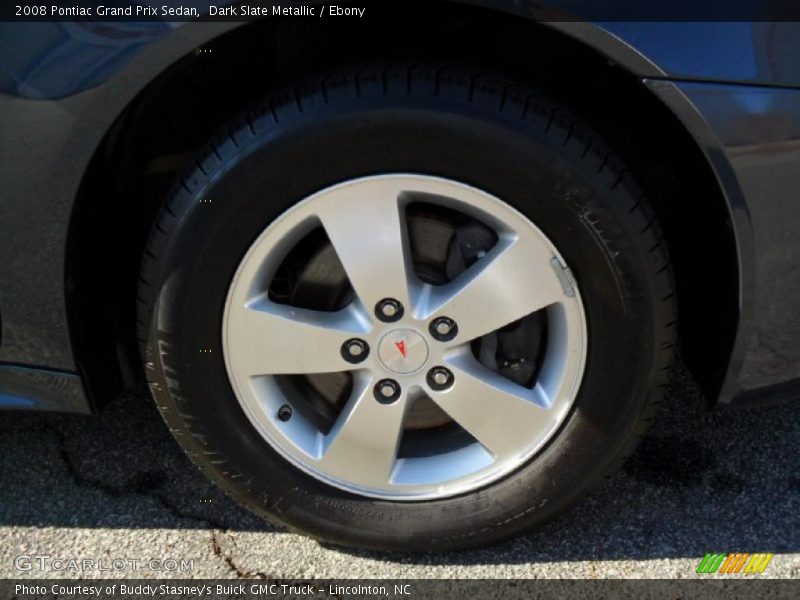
155 130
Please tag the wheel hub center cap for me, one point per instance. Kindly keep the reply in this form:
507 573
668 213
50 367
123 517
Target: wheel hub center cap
403 351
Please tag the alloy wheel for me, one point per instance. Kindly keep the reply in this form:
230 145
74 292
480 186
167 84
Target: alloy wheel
450 373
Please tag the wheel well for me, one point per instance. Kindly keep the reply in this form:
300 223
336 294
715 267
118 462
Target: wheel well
157 136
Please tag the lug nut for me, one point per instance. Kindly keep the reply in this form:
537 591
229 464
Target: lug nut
387 391
443 329
285 412
355 350
440 378
389 310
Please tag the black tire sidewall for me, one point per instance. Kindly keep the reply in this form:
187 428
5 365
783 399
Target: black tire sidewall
585 219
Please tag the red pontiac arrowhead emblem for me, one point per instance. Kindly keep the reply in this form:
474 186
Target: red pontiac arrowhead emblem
401 345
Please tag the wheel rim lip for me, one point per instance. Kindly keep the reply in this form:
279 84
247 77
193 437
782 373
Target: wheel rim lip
264 424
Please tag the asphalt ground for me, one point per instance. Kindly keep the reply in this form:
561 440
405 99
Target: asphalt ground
118 487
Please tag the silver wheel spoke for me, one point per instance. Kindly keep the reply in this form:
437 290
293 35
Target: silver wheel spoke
364 440
500 414
513 280
277 339
367 229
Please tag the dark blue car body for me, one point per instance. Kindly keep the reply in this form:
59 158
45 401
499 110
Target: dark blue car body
733 88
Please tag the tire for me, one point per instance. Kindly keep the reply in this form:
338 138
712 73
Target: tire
507 140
